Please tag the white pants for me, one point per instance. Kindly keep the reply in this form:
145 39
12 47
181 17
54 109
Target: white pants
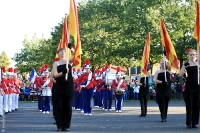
16 100
5 102
13 101
1 105
10 97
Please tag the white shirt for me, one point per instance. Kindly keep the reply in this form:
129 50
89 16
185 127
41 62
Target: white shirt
136 89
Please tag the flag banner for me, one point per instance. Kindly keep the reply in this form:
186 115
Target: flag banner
74 31
145 57
33 76
169 48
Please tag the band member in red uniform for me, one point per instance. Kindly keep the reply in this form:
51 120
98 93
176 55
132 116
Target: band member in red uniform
118 86
2 93
108 94
17 85
10 89
87 81
38 86
46 90
5 89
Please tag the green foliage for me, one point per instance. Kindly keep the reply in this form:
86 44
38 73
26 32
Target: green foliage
114 32
35 54
4 60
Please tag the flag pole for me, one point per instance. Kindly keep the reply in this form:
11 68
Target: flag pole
198 63
67 55
164 64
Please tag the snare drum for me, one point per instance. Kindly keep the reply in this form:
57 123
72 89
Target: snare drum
109 78
33 93
119 91
46 92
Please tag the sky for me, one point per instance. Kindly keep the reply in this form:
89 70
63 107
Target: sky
28 17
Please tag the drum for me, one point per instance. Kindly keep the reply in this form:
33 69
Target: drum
46 92
33 93
119 91
109 77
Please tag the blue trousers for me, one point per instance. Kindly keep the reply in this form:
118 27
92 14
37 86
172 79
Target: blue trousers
77 100
103 97
88 94
119 102
46 103
108 99
99 99
95 99
40 102
135 96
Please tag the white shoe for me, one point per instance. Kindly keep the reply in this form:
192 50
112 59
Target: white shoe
120 111
106 109
40 110
89 114
32 101
117 111
76 109
82 111
43 112
85 113
96 106
109 109
47 112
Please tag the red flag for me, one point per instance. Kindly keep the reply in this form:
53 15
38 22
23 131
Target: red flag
74 31
170 51
145 57
197 26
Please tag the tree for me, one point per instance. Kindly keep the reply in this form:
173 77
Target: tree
35 54
4 60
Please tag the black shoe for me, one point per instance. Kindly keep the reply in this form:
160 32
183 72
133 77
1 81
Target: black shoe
65 129
141 116
59 129
0 115
6 112
9 111
189 126
16 109
163 120
54 123
194 126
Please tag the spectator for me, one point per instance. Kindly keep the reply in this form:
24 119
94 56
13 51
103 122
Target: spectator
178 90
154 95
172 94
136 91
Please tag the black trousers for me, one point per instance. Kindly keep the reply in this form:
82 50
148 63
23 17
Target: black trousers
63 111
143 104
163 106
192 107
53 98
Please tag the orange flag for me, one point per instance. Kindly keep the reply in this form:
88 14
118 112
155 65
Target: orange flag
65 33
145 57
197 26
170 51
60 45
74 31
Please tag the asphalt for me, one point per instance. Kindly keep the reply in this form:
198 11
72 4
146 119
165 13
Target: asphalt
29 120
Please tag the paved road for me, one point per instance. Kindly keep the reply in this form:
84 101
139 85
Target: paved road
29 120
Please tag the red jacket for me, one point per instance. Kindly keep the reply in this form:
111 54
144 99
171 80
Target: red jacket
84 78
116 82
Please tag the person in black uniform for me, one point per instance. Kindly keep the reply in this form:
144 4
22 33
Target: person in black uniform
162 79
143 94
64 91
191 90
52 79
